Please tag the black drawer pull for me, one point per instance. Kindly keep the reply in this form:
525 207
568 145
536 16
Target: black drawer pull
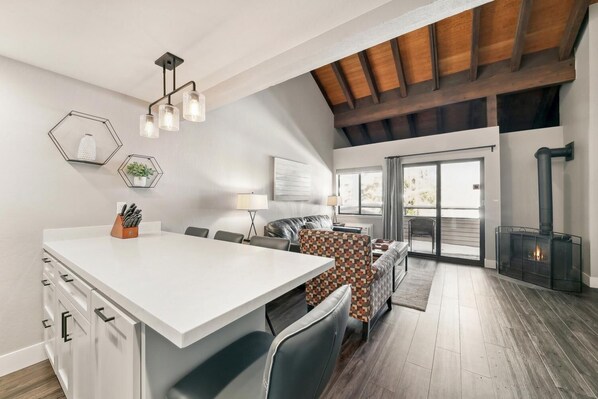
45 283
45 323
63 317
65 334
46 260
65 278
105 319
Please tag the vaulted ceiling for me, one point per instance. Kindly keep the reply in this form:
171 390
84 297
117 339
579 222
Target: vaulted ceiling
447 76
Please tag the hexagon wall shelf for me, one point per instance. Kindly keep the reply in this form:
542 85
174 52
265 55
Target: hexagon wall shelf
149 161
69 134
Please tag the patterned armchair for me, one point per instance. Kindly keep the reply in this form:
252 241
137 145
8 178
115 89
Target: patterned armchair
371 284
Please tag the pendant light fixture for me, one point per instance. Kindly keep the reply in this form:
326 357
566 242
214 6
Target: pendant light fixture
194 103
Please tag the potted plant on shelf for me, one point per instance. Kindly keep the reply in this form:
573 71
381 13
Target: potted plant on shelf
140 173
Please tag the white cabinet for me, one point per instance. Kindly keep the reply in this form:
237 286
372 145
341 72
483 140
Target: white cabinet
93 346
49 317
73 347
116 351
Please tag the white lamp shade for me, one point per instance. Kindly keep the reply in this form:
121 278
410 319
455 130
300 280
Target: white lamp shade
334 200
168 117
194 106
252 202
148 127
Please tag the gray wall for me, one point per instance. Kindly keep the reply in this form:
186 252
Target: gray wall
205 166
519 177
373 155
579 117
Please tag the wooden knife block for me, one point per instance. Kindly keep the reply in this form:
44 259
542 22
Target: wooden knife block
119 231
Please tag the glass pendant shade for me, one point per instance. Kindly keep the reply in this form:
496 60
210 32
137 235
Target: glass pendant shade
148 127
194 106
169 118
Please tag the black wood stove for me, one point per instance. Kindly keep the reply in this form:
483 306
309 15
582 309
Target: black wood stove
541 256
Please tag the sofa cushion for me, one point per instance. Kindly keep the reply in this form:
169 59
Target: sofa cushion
289 228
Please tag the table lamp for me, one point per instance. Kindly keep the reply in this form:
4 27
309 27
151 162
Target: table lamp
334 201
252 203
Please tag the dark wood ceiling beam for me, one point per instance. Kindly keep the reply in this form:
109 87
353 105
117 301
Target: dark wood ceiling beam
387 129
342 81
322 89
369 76
540 70
475 43
545 105
525 11
491 111
364 133
412 122
578 13
396 55
434 56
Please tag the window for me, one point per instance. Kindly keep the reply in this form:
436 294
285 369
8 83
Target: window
361 191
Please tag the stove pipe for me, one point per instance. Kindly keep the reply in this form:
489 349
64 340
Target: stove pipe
544 156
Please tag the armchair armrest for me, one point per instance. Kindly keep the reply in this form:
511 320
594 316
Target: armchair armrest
385 263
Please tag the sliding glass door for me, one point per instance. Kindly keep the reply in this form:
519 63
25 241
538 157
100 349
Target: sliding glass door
443 210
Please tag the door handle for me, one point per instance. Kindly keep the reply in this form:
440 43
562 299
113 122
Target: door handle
45 323
64 333
45 282
65 278
101 315
46 260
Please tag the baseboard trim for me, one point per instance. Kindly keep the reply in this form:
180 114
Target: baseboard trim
490 263
590 281
22 358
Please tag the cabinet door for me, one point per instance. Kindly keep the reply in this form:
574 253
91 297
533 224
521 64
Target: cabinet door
73 351
116 351
49 318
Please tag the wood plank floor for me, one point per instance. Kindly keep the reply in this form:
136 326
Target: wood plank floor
481 337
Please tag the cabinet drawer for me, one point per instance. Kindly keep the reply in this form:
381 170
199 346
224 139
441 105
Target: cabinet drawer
49 266
116 353
75 289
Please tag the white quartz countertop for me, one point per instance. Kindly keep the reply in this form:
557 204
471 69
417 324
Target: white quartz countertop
184 287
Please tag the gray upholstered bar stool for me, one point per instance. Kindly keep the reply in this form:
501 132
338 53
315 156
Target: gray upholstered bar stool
270 242
297 364
273 243
228 236
197 232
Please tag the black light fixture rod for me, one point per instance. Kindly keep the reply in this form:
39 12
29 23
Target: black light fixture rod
173 73
191 82
163 80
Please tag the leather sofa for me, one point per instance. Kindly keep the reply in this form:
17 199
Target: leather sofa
289 228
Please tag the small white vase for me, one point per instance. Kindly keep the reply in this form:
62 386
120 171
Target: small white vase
87 148
139 181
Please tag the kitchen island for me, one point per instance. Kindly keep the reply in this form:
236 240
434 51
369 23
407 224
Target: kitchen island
143 312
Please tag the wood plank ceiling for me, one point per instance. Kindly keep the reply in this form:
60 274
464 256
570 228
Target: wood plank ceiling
446 76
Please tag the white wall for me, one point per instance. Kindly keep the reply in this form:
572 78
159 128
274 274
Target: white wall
519 177
579 118
374 154
205 165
